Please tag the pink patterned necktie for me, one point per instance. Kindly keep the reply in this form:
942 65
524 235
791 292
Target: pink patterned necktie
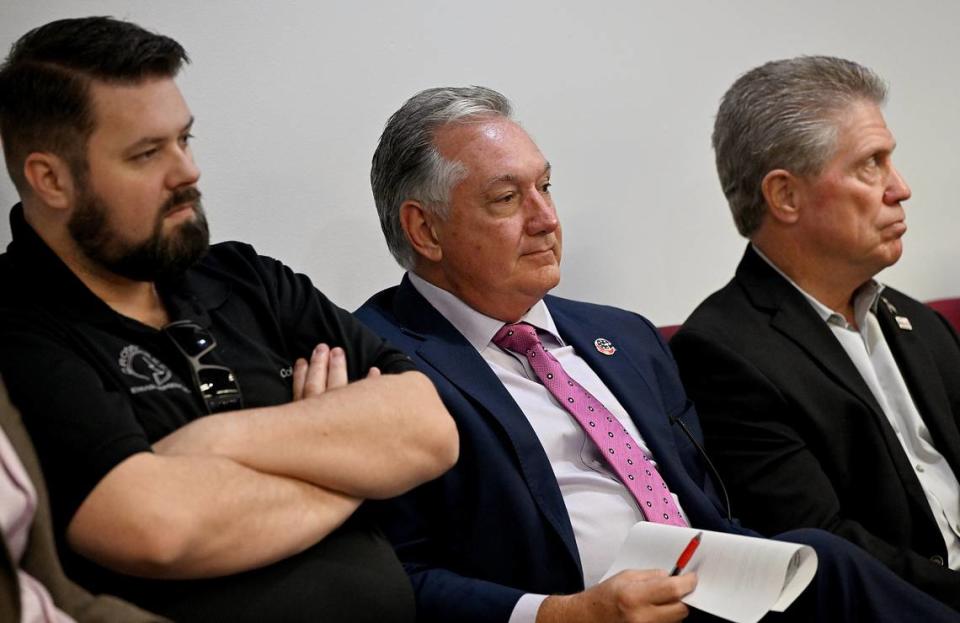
629 463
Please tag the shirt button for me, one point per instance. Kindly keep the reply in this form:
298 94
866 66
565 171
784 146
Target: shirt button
937 559
919 468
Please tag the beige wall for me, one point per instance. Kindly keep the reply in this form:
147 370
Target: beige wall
290 98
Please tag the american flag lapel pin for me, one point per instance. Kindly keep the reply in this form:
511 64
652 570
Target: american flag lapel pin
902 321
604 346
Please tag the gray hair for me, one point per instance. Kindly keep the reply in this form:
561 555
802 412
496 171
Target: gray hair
783 115
407 166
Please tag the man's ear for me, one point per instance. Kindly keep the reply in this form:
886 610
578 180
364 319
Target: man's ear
420 226
781 192
50 179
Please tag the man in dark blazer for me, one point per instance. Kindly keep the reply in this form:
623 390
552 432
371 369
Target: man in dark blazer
828 400
523 527
39 559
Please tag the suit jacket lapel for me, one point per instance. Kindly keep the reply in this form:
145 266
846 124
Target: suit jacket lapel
924 381
792 315
452 356
626 380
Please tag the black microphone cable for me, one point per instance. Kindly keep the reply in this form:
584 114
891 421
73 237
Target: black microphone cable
696 444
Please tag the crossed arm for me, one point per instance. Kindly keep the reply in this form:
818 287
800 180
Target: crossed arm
239 490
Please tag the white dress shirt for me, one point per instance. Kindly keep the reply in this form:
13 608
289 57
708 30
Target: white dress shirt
601 509
868 350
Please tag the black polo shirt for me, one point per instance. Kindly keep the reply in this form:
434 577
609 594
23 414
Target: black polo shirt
95 387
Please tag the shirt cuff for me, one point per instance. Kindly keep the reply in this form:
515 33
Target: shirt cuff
526 609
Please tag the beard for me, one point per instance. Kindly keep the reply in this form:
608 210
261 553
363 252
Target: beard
159 257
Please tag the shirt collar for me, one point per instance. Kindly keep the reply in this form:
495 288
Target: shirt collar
42 274
865 299
479 328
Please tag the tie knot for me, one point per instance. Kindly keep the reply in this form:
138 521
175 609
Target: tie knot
518 337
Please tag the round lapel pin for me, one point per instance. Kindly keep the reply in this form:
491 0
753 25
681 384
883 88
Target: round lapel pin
605 346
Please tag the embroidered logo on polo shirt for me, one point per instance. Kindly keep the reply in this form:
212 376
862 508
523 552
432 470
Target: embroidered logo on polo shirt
138 363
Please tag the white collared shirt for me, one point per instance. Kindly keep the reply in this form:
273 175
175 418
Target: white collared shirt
870 353
601 509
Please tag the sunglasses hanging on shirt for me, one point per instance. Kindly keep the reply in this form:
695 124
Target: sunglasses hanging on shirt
217 384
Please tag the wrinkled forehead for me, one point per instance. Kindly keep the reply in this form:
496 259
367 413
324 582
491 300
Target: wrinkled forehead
861 116
489 146
862 127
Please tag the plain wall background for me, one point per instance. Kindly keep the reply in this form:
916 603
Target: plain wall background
290 99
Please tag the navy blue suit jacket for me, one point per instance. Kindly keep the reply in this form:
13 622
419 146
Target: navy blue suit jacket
495 526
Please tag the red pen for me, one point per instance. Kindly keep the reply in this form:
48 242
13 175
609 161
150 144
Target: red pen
687 554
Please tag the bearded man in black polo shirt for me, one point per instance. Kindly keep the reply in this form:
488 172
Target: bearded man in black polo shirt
208 422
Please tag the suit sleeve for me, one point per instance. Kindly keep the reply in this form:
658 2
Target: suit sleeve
776 481
945 350
687 432
413 523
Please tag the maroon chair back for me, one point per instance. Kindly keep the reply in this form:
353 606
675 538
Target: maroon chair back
950 309
668 330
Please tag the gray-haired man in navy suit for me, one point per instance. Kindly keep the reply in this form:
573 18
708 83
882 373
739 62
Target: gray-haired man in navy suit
525 525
